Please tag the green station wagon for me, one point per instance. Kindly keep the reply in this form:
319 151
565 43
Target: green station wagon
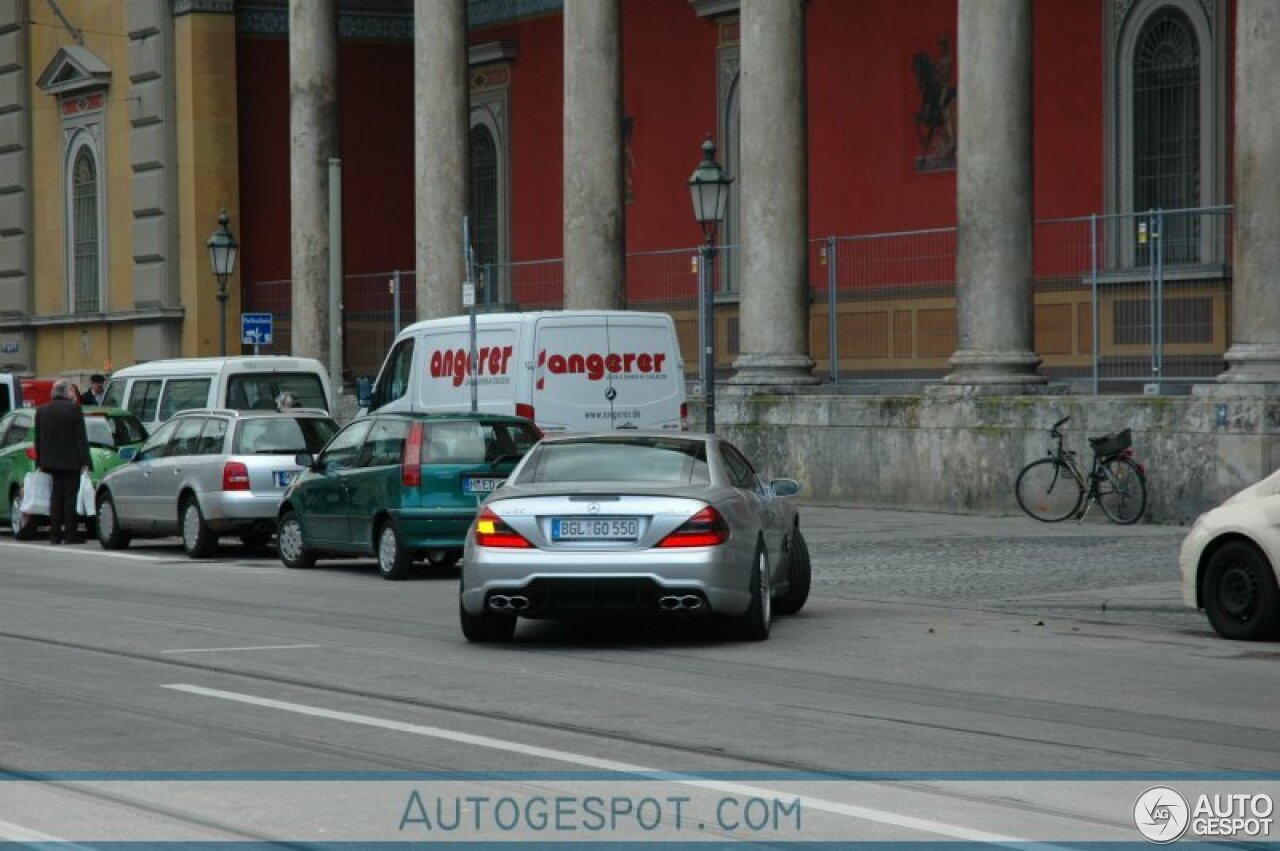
399 487
109 430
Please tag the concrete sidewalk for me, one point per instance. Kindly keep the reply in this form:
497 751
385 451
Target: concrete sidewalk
1091 571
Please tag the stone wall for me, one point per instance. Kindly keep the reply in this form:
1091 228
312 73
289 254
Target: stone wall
963 454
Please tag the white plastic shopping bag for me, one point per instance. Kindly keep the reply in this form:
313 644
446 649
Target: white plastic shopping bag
36 490
84 499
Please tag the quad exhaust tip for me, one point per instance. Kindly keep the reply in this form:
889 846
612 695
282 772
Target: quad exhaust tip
680 603
508 603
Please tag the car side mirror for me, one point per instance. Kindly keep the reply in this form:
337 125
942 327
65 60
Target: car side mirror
784 487
129 453
305 460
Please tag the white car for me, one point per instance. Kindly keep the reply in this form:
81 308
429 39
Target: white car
1229 563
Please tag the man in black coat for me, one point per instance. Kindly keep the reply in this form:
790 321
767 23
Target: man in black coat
62 451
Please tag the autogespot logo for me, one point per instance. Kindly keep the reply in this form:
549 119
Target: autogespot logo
1161 814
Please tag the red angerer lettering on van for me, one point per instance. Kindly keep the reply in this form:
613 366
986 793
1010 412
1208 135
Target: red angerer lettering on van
596 366
452 363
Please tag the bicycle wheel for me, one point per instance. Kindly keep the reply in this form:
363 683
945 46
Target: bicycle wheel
1049 491
1122 490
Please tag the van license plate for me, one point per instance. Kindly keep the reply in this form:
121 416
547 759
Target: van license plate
283 478
595 529
481 484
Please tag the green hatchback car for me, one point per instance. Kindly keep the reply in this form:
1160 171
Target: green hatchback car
109 430
399 487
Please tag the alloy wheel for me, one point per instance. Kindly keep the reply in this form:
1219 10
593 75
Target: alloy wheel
290 539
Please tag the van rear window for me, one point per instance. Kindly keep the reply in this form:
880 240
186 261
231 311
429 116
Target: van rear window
259 391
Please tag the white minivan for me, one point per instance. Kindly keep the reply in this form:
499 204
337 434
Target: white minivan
567 370
155 391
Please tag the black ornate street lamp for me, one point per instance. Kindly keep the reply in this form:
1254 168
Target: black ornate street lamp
223 249
709 189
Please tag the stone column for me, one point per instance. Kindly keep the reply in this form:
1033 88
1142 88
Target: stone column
995 306
595 226
1254 356
442 173
313 131
774 306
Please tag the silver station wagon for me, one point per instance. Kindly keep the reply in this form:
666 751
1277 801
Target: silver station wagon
209 473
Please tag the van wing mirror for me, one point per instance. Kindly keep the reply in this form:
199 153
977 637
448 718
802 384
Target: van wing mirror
784 487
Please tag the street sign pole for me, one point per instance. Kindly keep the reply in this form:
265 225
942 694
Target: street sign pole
469 301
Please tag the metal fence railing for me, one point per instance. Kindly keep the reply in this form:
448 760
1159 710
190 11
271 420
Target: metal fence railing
1123 303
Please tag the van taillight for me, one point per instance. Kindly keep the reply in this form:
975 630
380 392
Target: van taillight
492 531
523 410
684 416
411 465
235 476
704 529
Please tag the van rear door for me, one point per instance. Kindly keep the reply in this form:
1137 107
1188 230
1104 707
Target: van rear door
600 371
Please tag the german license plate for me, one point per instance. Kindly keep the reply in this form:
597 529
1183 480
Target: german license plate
283 477
481 484
595 529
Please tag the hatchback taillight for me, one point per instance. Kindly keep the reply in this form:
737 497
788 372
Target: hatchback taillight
411 465
31 452
523 410
493 531
704 529
235 476
684 416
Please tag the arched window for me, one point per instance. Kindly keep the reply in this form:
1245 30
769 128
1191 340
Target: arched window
85 272
484 198
1166 126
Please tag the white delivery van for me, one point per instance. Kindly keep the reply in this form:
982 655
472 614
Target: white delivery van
155 391
567 370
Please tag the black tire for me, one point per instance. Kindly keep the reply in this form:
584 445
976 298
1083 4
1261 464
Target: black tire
198 540
486 628
291 544
799 575
1122 491
1049 491
22 530
255 540
110 535
1239 592
394 561
442 558
754 623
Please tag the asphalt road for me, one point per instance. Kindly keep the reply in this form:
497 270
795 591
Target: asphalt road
968 677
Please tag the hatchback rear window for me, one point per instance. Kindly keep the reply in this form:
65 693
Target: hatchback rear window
471 442
282 436
259 392
655 461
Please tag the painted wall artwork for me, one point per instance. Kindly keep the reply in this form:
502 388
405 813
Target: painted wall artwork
935 120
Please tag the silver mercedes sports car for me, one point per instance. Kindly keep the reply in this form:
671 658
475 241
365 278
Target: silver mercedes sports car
603 524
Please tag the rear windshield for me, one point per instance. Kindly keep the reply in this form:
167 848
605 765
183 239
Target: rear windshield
114 431
260 391
470 442
654 461
283 435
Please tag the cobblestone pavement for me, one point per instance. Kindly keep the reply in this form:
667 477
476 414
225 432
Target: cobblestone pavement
1094 571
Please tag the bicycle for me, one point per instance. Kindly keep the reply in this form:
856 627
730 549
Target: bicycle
1054 488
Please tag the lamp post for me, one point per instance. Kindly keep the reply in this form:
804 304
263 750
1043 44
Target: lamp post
709 188
223 249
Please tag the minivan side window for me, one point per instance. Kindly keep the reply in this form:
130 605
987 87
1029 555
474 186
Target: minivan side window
340 454
183 394
114 397
143 398
393 382
384 447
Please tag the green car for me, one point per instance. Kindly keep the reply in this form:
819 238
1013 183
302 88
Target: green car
109 430
399 487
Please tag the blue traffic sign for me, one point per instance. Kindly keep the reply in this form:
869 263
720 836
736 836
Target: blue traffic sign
255 329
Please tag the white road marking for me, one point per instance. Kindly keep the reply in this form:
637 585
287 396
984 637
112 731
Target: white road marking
823 805
234 649
165 560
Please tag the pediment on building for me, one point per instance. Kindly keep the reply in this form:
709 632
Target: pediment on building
74 69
